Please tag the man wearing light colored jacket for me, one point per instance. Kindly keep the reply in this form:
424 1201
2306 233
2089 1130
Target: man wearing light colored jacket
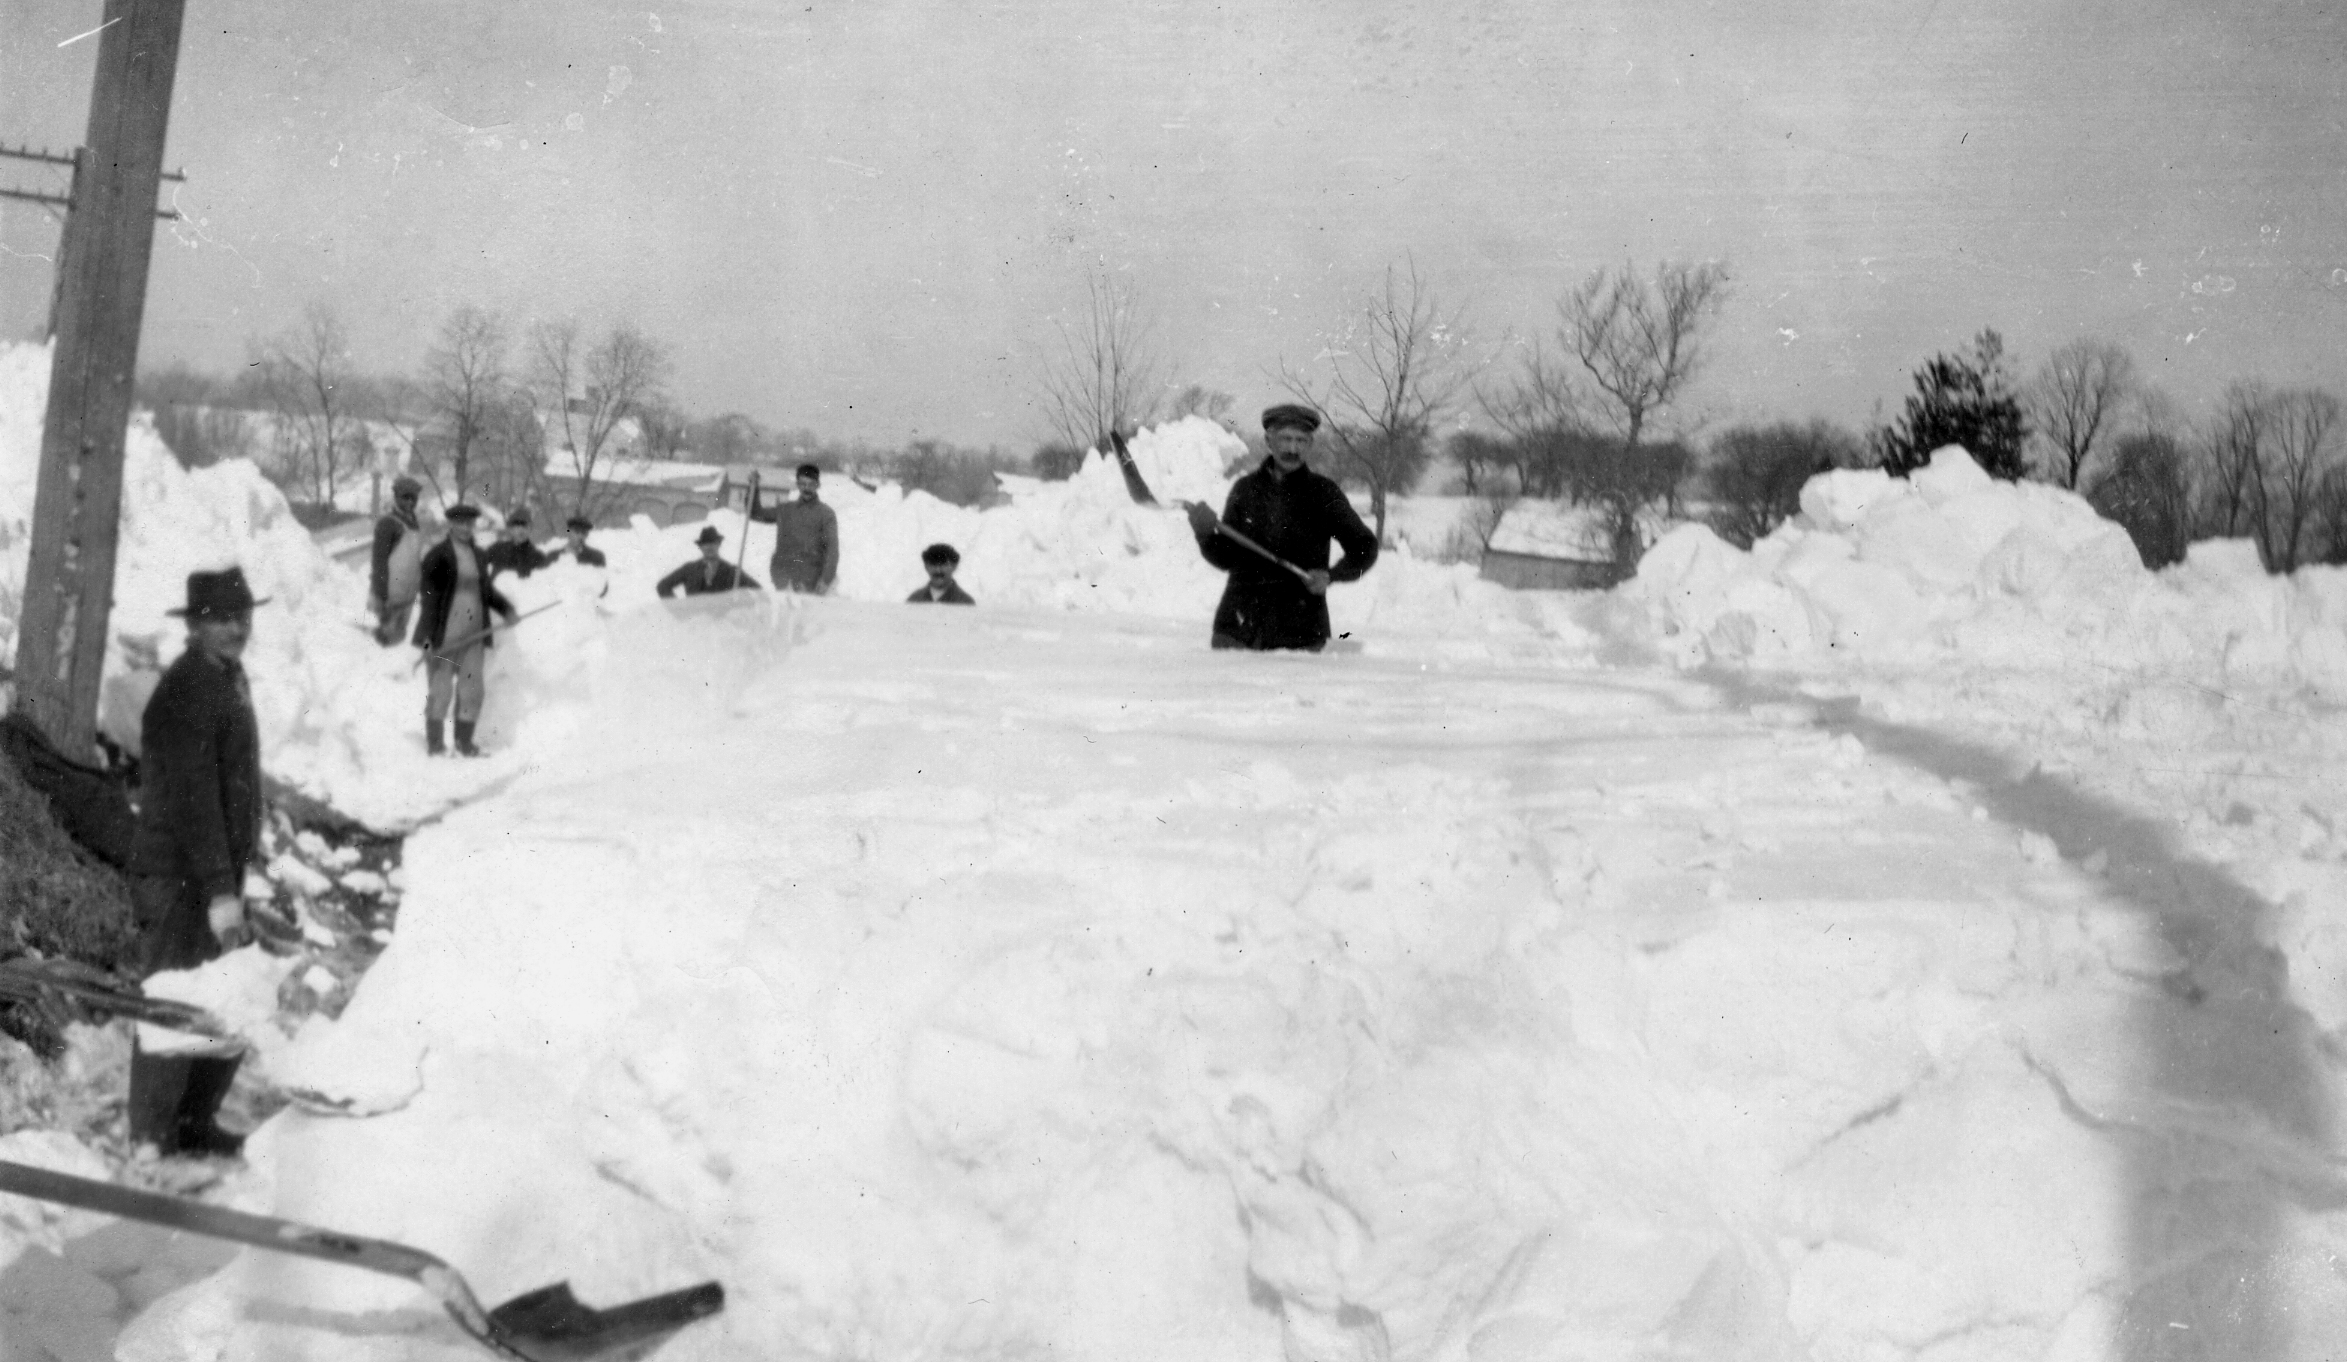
806 537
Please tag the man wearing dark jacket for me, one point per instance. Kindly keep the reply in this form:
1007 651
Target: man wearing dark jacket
586 554
709 572
458 597
513 552
1291 513
806 536
199 828
398 558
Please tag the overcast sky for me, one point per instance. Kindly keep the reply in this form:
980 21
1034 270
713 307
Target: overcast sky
867 217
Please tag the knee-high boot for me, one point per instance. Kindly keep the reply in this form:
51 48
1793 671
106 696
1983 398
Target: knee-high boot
464 739
208 1081
158 1087
435 742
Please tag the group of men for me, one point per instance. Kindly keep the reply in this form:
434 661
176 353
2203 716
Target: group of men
450 588
200 816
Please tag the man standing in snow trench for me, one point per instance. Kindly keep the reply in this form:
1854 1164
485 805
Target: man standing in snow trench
199 828
1291 513
453 630
806 537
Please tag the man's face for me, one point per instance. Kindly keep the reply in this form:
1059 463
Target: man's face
710 551
941 573
807 487
461 531
517 533
1289 445
406 501
222 636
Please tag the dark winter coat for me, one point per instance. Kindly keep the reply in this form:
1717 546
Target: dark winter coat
700 577
806 544
1263 604
439 591
200 763
519 557
954 595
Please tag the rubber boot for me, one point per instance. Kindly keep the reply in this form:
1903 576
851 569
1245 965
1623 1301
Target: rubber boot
434 744
464 739
199 1131
158 1089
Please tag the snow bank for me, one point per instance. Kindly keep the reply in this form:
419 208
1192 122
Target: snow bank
1954 566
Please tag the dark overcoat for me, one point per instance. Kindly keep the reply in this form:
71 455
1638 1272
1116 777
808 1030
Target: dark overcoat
200 805
440 591
698 580
1263 604
954 595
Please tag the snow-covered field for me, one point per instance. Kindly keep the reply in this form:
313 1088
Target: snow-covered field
1902 941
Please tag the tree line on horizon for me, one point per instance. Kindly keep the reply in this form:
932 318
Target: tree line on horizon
1595 414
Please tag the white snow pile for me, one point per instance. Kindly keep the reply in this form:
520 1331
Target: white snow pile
1953 564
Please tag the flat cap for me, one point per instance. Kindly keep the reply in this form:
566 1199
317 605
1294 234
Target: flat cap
462 511
1291 414
578 522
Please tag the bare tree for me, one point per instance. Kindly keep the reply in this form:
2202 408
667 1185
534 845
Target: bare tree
1756 473
2301 453
590 392
1199 400
1639 341
464 382
1541 414
1389 375
2231 455
306 377
2075 400
1105 373
2145 487
665 428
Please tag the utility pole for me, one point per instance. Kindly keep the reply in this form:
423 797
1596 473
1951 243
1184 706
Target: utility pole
101 301
60 207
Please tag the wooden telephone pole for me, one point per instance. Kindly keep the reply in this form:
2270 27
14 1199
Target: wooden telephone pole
101 301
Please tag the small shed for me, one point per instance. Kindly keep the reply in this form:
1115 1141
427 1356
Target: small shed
1557 546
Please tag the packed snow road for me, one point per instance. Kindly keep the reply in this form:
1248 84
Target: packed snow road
989 984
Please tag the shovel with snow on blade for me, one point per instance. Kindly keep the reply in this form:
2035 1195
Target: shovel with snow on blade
546 1325
46 983
1142 496
479 634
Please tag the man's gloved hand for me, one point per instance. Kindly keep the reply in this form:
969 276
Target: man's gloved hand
1316 582
226 914
1202 518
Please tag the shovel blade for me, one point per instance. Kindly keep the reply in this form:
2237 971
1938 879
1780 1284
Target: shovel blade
552 1325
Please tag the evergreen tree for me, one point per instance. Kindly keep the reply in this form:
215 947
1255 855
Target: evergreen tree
1963 399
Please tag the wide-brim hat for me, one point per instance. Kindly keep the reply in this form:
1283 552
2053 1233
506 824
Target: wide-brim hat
710 534
1291 414
462 511
211 595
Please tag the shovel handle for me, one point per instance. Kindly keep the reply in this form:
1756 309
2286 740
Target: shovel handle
1222 527
218 1222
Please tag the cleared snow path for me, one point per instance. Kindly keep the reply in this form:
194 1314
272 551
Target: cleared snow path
978 984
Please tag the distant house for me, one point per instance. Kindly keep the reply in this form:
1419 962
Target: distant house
668 492
1555 546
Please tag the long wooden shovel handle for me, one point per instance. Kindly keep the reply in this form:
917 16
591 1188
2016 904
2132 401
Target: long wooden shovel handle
218 1222
1222 527
477 635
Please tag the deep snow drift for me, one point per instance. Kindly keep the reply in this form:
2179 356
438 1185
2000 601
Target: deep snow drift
1029 981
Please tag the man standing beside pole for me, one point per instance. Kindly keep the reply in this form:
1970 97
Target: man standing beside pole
806 537
199 828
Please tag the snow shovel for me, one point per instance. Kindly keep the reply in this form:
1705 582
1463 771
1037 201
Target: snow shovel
477 635
1142 496
42 982
546 1325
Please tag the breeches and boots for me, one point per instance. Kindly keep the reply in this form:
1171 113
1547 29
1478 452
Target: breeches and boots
175 1098
457 676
